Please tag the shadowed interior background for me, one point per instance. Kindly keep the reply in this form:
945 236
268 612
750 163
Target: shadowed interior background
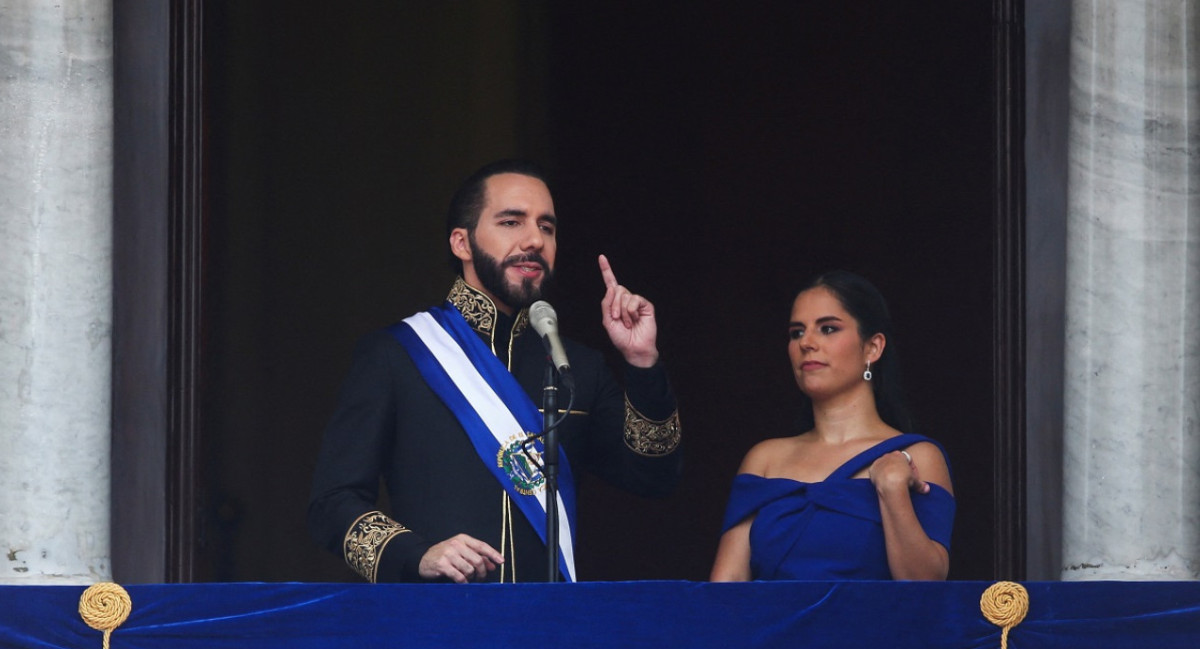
719 154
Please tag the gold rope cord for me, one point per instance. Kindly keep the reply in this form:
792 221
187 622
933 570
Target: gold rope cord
1005 604
505 533
104 607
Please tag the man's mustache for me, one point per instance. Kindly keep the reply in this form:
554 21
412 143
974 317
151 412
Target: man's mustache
525 259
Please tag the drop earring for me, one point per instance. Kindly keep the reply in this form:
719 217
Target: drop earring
867 374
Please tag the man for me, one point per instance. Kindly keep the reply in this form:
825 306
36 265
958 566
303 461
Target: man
442 406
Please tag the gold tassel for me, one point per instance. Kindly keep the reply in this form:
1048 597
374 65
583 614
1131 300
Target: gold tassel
1005 604
104 607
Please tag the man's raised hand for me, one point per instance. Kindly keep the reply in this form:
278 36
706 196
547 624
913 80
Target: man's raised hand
629 320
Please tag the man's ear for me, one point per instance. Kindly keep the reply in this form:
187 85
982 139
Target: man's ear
460 245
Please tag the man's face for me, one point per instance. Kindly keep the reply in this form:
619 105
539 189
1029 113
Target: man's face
510 253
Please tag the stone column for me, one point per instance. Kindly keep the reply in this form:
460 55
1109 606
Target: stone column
55 290
1131 503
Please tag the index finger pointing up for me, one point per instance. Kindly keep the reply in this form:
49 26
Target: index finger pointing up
610 280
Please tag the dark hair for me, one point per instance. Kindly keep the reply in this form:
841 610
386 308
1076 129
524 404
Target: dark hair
865 304
468 199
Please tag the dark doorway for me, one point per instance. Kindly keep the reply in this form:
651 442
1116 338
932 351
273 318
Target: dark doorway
718 154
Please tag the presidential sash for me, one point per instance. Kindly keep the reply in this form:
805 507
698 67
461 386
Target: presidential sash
496 413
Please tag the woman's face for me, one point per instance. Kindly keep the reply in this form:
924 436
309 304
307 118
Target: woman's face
827 353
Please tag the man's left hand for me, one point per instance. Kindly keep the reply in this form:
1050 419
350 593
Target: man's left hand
629 320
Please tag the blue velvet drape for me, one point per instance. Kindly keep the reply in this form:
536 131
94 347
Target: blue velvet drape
609 615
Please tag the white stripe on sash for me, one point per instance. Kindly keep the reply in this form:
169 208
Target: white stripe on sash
491 409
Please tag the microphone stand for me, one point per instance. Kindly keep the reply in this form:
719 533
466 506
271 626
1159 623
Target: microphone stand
550 468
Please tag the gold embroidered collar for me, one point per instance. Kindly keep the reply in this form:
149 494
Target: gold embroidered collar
480 312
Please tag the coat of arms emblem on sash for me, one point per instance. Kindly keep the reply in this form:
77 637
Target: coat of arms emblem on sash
522 463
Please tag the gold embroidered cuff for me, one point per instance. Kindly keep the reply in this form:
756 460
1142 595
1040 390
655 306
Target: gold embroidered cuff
646 436
365 541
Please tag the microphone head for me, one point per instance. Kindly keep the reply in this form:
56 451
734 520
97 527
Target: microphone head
543 318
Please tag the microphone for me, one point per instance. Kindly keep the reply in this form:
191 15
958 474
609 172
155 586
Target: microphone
545 322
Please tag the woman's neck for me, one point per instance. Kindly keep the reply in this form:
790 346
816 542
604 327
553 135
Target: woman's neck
848 417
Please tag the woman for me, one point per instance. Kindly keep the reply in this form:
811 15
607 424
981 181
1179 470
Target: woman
853 497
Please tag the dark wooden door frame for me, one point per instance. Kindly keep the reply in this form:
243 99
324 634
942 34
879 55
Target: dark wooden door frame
1008 272
158 274
158 246
185 305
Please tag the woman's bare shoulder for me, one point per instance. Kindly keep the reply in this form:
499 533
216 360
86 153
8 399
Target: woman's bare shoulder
927 451
931 463
760 457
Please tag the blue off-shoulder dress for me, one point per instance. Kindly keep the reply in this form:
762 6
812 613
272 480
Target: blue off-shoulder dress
828 530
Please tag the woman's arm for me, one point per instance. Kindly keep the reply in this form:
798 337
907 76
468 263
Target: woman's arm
733 554
911 553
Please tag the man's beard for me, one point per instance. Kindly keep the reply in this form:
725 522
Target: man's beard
491 275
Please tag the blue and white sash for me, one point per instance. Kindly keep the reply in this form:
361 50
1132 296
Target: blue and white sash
495 412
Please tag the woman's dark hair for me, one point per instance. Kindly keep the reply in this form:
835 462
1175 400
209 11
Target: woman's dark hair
865 304
468 199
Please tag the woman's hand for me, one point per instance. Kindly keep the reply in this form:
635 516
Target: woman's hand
896 471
